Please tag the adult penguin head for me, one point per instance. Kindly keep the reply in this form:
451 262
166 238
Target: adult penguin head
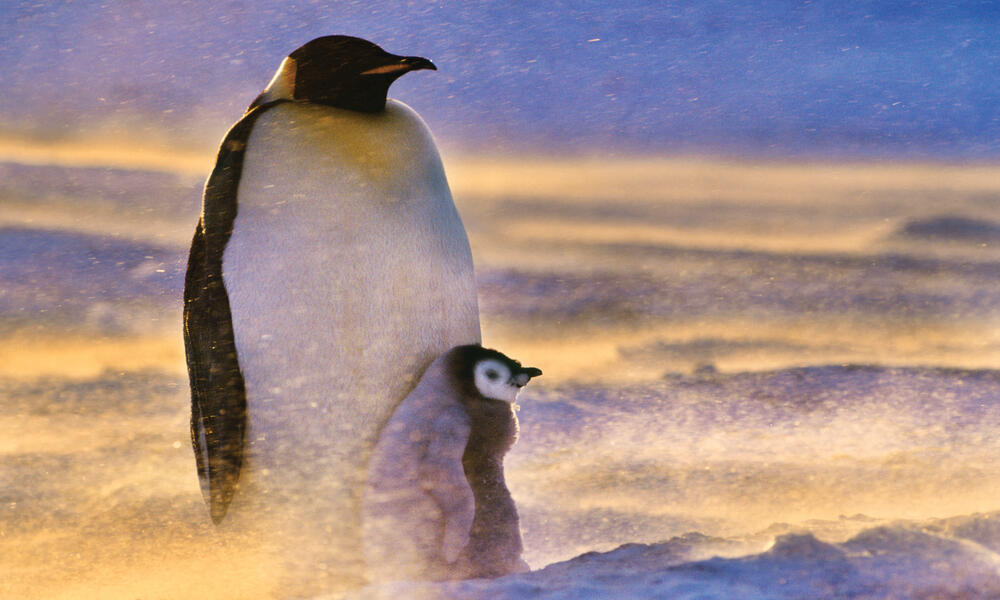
340 71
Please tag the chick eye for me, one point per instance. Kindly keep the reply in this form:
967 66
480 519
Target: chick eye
492 375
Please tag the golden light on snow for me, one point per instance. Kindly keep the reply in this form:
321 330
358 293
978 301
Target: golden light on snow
109 153
78 357
614 274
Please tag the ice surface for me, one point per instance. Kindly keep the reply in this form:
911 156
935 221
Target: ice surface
102 473
776 383
898 560
737 356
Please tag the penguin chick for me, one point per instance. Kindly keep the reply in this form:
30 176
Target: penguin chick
436 503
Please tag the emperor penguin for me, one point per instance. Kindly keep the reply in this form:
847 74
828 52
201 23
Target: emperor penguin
327 271
436 503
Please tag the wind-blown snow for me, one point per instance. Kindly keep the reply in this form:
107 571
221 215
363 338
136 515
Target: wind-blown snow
767 382
821 78
930 559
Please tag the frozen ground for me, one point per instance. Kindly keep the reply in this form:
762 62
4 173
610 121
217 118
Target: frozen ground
761 381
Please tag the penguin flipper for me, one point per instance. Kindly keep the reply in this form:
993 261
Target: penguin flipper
441 466
218 398
218 393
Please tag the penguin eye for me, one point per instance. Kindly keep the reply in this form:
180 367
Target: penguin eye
492 375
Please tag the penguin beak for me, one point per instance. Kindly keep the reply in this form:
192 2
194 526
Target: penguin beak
416 63
405 64
522 378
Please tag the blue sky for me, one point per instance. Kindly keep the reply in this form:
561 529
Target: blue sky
824 79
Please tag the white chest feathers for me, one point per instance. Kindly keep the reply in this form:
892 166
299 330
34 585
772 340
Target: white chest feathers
348 268
348 272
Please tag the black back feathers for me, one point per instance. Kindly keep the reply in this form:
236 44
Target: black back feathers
218 396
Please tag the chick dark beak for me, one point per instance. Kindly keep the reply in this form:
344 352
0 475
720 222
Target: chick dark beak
525 375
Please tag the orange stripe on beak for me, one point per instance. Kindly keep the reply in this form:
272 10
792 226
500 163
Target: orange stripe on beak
388 69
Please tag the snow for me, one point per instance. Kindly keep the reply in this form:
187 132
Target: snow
760 403
896 560
762 380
